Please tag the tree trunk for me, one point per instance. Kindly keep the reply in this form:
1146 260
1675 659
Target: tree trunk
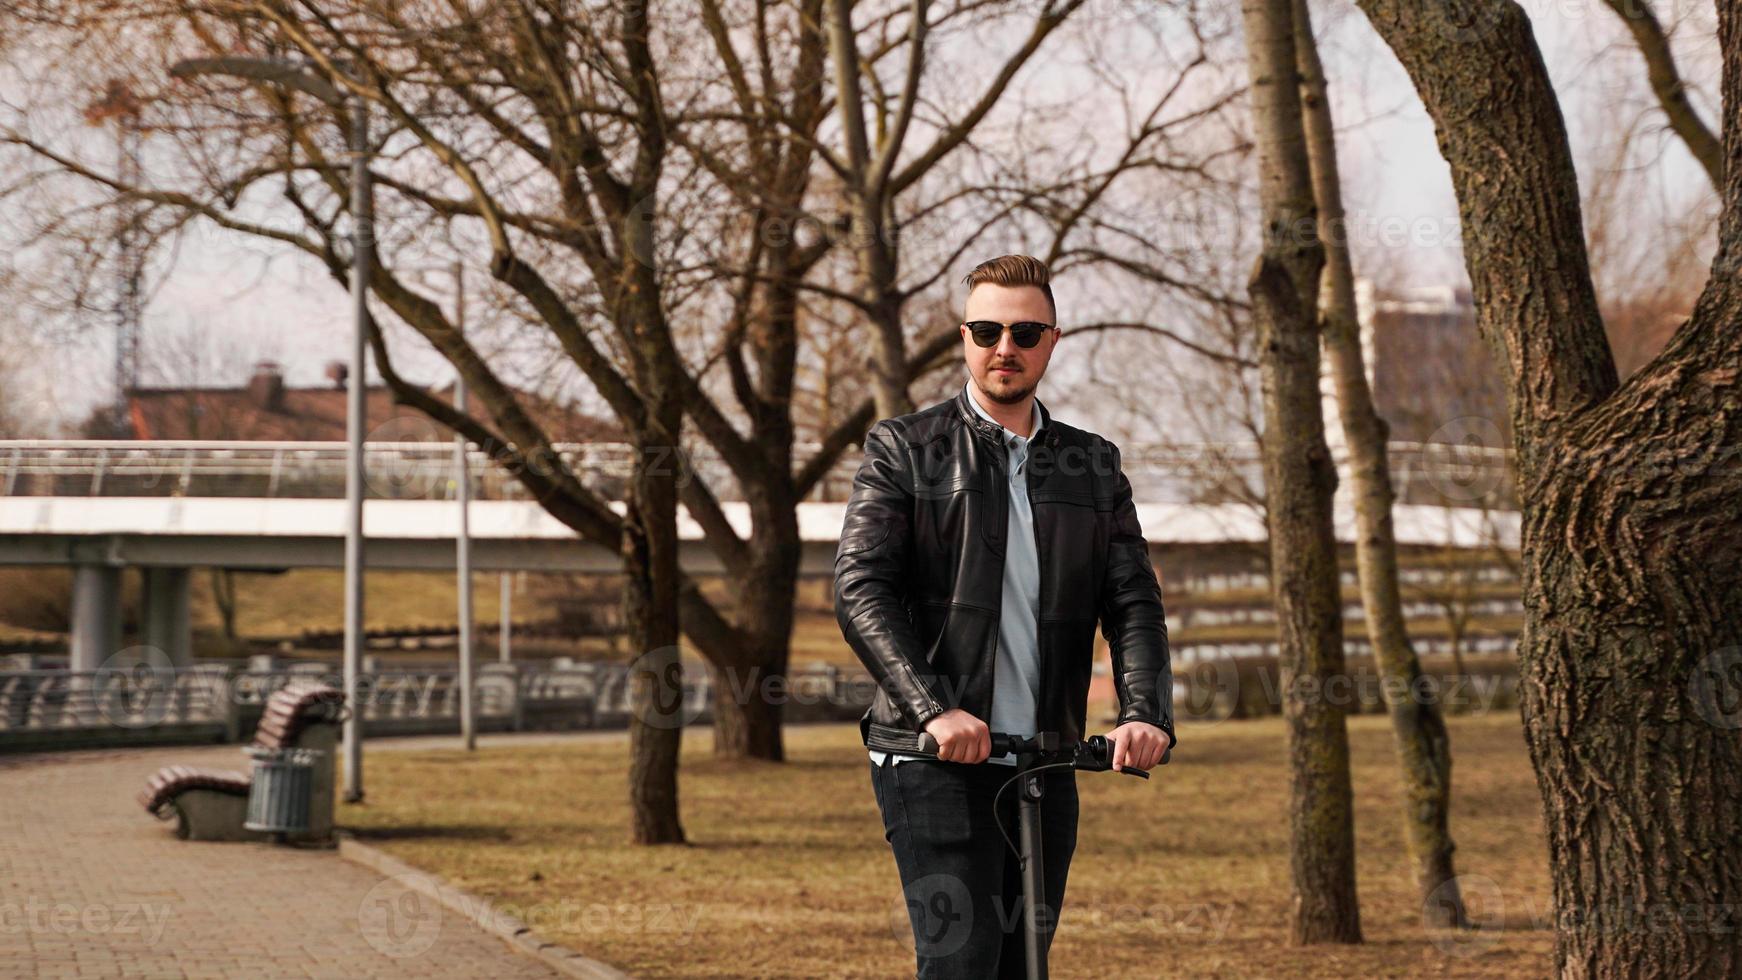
891 354
873 250
224 596
750 694
1299 481
1630 661
1423 747
656 675
1455 634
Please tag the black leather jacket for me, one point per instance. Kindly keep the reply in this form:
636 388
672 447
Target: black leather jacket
919 574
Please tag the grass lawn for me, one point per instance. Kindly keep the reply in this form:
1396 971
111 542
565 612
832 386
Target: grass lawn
787 873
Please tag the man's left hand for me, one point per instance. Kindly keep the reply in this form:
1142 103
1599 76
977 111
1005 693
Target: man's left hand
1137 744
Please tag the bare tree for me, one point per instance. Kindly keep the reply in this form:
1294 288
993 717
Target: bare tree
1668 87
1630 555
873 177
1649 236
635 208
798 268
1299 480
1423 747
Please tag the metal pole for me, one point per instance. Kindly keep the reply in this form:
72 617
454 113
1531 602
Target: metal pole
1033 876
362 239
463 556
505 628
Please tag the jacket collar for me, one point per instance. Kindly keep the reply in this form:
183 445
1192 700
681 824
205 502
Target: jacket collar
1045 435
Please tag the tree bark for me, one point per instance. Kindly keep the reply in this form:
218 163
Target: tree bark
1631 656
656 676
874 249
749 693
1423 747
1299 480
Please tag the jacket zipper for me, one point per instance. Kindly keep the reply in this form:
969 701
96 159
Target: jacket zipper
1001 464
1040 592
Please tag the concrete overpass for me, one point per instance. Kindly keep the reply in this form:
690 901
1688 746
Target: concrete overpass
169 528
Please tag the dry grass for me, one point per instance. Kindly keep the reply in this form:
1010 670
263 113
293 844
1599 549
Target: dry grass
788 874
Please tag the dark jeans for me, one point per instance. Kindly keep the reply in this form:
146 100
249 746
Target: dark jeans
962 883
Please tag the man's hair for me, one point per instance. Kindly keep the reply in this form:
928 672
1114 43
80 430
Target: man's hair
1015 270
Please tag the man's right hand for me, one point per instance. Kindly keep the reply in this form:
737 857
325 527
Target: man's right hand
961 737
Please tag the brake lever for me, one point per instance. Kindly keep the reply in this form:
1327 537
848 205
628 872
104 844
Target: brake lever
1095 754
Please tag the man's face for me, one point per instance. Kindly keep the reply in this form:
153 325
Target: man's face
1005 372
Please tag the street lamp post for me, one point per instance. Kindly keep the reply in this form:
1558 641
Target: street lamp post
296 76
463 540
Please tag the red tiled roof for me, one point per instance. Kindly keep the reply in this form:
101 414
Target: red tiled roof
318 414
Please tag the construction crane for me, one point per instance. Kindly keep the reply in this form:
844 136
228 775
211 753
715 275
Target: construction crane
120 106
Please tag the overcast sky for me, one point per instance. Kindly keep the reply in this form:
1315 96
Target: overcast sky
229 301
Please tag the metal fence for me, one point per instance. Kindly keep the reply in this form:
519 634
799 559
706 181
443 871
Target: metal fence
1446 473
47 709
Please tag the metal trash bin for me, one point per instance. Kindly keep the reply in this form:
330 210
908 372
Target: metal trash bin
283 786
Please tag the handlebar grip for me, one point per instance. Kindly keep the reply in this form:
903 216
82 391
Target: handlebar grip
1001 743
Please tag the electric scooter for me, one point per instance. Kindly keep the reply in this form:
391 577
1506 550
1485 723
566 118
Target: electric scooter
1035 755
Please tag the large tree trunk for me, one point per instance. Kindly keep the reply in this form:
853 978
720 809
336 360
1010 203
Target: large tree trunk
1631 656
749 694
1423 748
1299 480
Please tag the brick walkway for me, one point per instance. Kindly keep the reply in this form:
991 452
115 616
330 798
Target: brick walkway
92 886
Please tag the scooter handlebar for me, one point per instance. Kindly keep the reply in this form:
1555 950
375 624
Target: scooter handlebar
1093 754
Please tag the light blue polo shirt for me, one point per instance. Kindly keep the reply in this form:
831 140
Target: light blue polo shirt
1016 681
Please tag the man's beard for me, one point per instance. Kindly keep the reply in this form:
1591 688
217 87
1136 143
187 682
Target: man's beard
1006 396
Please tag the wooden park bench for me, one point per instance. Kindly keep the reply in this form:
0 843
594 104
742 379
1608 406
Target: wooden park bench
212 804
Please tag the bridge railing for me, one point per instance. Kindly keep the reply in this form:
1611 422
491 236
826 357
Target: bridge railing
59 700
1434 472
49 709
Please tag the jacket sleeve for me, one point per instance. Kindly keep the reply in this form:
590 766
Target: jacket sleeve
1132 618
871 577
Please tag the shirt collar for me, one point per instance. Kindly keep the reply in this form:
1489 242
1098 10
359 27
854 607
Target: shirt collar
1010 437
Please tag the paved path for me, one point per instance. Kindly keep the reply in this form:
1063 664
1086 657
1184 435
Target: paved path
92 886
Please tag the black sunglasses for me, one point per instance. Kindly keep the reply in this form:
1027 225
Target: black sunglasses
1026 333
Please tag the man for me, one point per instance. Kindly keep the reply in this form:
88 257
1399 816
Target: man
982 541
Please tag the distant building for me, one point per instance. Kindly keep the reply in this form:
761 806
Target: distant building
267 409
1430 373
